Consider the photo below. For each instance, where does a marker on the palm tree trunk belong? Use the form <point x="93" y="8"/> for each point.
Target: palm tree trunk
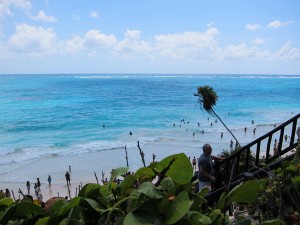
<point x="238" y="144"/>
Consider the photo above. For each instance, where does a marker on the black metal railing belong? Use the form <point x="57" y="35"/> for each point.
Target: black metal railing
<point x="257" y="154"/>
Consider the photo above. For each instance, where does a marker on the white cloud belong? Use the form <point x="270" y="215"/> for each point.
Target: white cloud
<point x="188" y="44"/>
<point x="132" y="45"/>
<point x="276" y="24"/>
<point x="6" y="5"/>
<point x="94" y="14"/>
<point x="94" y="38"/>
<point x="32" y="40"/>
<point x="43" y="17"/>
<point x="258" y="41"/>
<point x="287" y="52"/>
<point x="252" y="27"/>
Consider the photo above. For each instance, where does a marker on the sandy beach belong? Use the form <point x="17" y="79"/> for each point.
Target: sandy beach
<point x="84" y="166"/>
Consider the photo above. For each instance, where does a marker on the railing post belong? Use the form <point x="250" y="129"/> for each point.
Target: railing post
<point x="218" y="175"/>
<point x="257" y="153"/>
<point x="268" y="148"/>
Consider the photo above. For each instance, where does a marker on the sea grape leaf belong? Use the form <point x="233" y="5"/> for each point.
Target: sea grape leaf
<point x="94" y="204"/>
<point x="89" y="190"/>
<point x="6" y="202"/>
<point x="296" y="181"/>
<point x="42" y="221"/>
<point x="118" y="172"/>
<point x="28" y="210"/>
<point x="8" y="214"/>
<point x="149" y="190"/>
<point x="168" y="185"/>
<point x="70" y="205"/>
<point x="178" y="208"/>
<point x="196" y="218"/>
<point x="141" y="217"/>
<point x="75" y="217"/>
<point x="181" y="170"/>
<point x="144" y="173"/>
<point x="246" y="192"/>
<point x="127" y="185"/>
<point x="221" y="202"/>
<point x="216" y="216"/>
<point x="273" y="222"/>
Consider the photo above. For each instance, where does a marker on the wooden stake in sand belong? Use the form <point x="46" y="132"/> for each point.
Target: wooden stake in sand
<point x="126" y="156"/>
<point x="141" y="153"/>
<point x="96" y="177"/>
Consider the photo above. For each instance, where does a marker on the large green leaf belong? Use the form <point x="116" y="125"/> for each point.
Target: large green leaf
<point x="178" y="208"/>
<point x="144" y="173"/>
<point x="42" y="221"/>
<point x="127" y="185"/>
<point x="89" y="190"/>
<point x="196" y="218"/>
<point x="115" y="173"/>
<point x="245" y="193"/>
<point x="70" y="205"/>
<point x="168" y="185"/>
<point x="296" y="181"/>
<point x="217" y="216"/>
<point x="181" y="170"/>
<point x="93" y="204"/>
<point x="6" y="202"/>
<point x="8" y="214"/>
<point x="149" y="190"/>
<point x="139" y="218"/>
<point x="75" y="217"/>
<point x="28" y="210"/>
<point x="273" y="222"/>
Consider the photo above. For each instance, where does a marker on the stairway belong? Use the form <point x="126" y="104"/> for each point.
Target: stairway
<point x="257" y="157"/>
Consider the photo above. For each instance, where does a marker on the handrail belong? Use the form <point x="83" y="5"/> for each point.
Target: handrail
<point x="245" y="154"/>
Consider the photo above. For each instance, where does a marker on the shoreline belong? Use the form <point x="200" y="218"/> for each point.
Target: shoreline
<point x="83" y="166"/>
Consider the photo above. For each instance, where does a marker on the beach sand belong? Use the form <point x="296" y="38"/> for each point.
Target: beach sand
<point x="84" y="166"/>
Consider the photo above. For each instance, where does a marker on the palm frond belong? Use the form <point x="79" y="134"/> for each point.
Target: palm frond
<point x="207" y="97"/>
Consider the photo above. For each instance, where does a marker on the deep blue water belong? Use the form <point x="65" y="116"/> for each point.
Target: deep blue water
<point x="43" y="115"/>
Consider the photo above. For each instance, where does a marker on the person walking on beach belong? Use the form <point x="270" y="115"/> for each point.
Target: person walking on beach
<point x="28" y="186"/>
<point x="49" y="180"/>
<point x="206" y="173"/>
<point x="7" y="193"/>
<point x="38" y="183"/>
<point x="67" y="175"/>
<point x="194" y="162"/>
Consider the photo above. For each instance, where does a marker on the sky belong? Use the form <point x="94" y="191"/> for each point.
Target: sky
<point x="150" y="36"/>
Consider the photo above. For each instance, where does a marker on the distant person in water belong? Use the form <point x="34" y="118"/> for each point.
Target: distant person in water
<point x="130" y="133"/>
<point x="49" y="180"/>
<point x="69" y="169"/>
<point x="254" y="130"/>
<point x="221" y="134"/>
<point x="231" y="144"/>
<point x="245" y="129"/>
<point x="68" y="179"/>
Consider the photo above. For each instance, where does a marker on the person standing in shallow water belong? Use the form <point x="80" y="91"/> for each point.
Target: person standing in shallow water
<point x="68" y="179"/>
<point x="206" y="173"/>
<point x="49" y="180"/>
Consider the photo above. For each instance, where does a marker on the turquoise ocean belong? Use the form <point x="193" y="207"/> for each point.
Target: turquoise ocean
<point x="45" y="116"/>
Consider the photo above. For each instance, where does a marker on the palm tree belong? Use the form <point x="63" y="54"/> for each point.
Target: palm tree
<point x="207" y="99"/>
